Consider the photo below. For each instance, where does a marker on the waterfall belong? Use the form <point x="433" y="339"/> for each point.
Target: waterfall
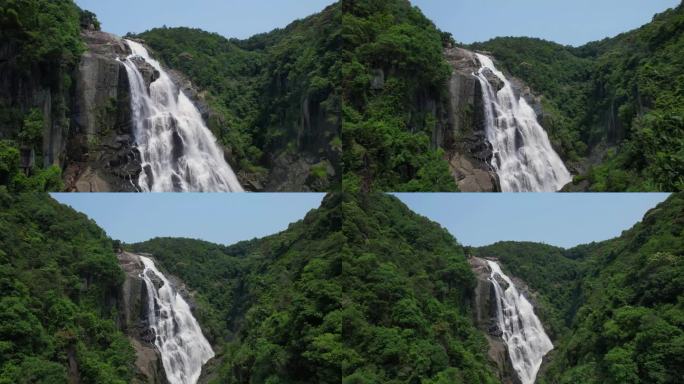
<point x="523" y="157"/>
<point x="523" y="333"/>
<point x="178" y="336"/>
<point x="179" y="153"/>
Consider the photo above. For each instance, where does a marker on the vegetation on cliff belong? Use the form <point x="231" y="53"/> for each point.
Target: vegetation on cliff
<point x="271" y="306"/>
<point x="58" y="280"/>
<point x="41" y="45"/>
<point x="622" y="92"/>
<point x="274" y="94"/>
<point x="407" y="292"/>
<point x="616" y="307"/>
<point x="394" y="78"/>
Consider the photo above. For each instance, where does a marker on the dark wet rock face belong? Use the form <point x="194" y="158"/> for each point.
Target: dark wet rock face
<point x="133" y="302"/>
<point x="486" y="320"/>
<point x="468" y="150"/>
<point x="100" y="154"/>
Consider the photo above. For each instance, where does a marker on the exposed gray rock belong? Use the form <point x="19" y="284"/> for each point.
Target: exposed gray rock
<point x="100" y="152"/>
<point x="485" y="320"/>
<point x="378" y="79"/>
<point x="468" y="151"/>
<point x="493" y="79"/>
<point x="133" y="303"/>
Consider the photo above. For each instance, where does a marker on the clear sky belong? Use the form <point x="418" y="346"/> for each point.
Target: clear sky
<point x="571" y="22"/>
<point x="559" y="219"/>
<point x="223" y="218"/>
<point x="230" y="18"/>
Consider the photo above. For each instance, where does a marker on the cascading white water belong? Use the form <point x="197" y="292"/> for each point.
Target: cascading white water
<point x="523" y="333"/>
<point x="523" y="157"/>
<point x="178" y="336"/>
<point x="179" y="153"/>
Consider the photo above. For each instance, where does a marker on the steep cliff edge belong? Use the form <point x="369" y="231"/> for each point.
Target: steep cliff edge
<point x="485" y="320"/>
<point x="468" y="150"/>
<point x="465" y="140"/>
<point x="100" y="154"/>
<point x="132" y="305"/>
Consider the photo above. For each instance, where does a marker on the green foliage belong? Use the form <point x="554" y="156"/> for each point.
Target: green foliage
<point x="615" y="308"/>
<point x="32" y="130"/>
<point x="407" y="285"/>
<point x="622" y="92"/>
<point x="271" y="305"/>
<point x="387" y="128"/>
<point x="58" y="273"/>
<point x="258" y="88"/>
<point x="15" y="180"/>
<point x="45" y="31"/>
<point x="42" y="45"/>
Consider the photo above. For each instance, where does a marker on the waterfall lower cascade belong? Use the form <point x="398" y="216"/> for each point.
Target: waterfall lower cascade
<point x="523" y="333"/>
<point x="178" y="336"/>
<point x="179" y="153"/>
<point x="523" y="157"/>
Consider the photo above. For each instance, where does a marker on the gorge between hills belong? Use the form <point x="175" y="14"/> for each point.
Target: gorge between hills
<point x="360" y="290"/>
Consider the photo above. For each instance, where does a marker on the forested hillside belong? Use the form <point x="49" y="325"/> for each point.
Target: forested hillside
<point x="613" y="108"/>
<point x="40" y="46"/>
<point x="408" y="289"/>
<point x="271" y="307"/>
<point x="394" y="78"/>
<point x="274" y="98"/>
<point x="58" y="280"/>
<point x="615" y="307"/>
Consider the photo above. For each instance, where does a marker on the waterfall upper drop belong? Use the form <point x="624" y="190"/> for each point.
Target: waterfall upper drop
<point x="178" y="152"/>
<point x="178" y="336"/>
<point x="523" y="333"/>
<point x="523" y="157"/>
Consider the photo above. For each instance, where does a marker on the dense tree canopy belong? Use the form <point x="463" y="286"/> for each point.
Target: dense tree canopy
<point x="58" y="273"/>
<point x="387" y="127"/>
<point x="407" y="288"/>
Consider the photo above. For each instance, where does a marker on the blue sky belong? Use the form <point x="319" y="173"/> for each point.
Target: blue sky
<point x="230" y="18"/>
<point x="572" y="22"/>
<point x="559" y="219"/>
<point x="223" y="218"/>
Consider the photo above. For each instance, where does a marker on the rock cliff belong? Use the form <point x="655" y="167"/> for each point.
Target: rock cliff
<point x="485" y="319"/>
<point x="99" y="152"/>
<point x="469" y="153"/>
<point x="132" y="305"/>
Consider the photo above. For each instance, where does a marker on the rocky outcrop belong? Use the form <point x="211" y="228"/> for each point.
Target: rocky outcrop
<point x="100" y="152"/>
<point x="133" y="302"/>
<point x="485" y="319"/>
<point x="469" y="153"/>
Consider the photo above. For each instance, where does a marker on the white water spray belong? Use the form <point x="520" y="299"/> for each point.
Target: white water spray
<point x="523" y="157"/>
<point x="178" y="336"/>
<point x="179" y="153"/>
<point x="523" y="333"/>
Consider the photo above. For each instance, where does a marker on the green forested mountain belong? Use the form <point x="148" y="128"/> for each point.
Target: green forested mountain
<point x="615" y="307"/>
<point x="394" y="80"/>
<point x="406" y="304"/>
<point x="619" y="99"/>
<point x="40" y="47"/>
<point x="271" y="306"/>
<point x="58" y="280"/>
<point x="273" y="96"/>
